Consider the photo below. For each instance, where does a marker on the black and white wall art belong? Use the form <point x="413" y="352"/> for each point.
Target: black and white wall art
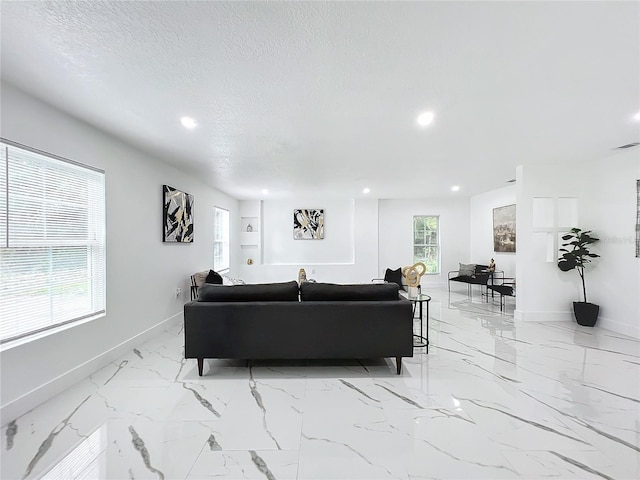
<point x="177" y="216"/>
<point x="308" y="224"/>
<point x="504" y="229"/>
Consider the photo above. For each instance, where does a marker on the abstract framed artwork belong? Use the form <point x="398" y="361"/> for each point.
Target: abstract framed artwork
<point x="177" y="216"/>
<point x="308" y="224"/>
<point x="504" y="229"/>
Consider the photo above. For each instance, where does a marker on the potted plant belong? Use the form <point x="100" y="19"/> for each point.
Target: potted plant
<point x="577" y="255"/>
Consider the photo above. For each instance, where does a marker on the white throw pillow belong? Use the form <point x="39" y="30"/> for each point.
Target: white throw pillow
<point x="227" y="280"/>
<point x="200" y="277"/>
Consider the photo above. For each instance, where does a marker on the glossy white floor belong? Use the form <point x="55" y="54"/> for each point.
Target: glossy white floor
<point x="492" y="399"/>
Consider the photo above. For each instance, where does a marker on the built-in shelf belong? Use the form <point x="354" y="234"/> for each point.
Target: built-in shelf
<point x="249" y="224"/>
<point x="249" y="231"/>
<point x="249" y="238"/>
<point x="250" y="249"/>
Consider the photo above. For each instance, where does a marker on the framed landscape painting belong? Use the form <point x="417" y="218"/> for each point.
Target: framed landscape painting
<point x="504" y="229"/>
<point x="177" y="216"/>
<point x="308" y="224"/>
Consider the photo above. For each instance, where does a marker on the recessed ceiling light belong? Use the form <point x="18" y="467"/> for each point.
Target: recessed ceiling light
<point x="455" y="188"/>
<point x="265" y="191"/>
<point x="425" y="119"/>
<point x="188" y="122"/>
<point x="636" y="117"/>
<point x="366" y="190"/>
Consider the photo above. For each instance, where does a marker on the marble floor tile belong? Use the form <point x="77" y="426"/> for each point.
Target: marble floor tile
<point x="250" y="465"/>
<point x="493" y="398"/>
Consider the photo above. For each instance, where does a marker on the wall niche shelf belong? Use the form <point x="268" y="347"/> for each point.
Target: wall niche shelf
<point x="249" y="231"/>
<point x="249" y="224"/>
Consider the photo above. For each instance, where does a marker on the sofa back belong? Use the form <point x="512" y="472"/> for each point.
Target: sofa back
<point x="259" y="292"/>
<point x="359" y="292"/>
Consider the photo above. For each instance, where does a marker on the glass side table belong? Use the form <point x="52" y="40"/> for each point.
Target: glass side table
<point x="422" y="340"/>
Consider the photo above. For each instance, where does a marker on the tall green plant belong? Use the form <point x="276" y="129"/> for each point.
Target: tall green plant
<point x="576" y="253"/>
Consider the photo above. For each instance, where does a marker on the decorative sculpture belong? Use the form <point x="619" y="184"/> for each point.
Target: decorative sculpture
<point x="302" y="276"/>
<point x="492" y="266"/>
<point x="414" y="273"/>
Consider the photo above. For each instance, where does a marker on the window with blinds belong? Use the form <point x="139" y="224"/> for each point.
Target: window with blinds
<point x="52" y="241"/>
<point x="426" y="242"/>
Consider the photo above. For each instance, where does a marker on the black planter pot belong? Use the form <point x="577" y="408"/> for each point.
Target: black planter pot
<point x="586" y="313"/>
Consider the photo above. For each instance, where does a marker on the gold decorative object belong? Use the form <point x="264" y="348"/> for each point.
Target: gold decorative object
<point x="414" y="273"/>
<point x="249" y="261"/>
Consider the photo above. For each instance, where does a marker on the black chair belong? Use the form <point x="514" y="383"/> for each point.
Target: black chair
<point x="505" y="289"/>
<point x="200" y="278"/>
<point x="477" y="275"/>
<point x="392" y="276"/>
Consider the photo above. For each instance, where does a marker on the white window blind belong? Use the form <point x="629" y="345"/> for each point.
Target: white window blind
<point x="220" y="239"/>
<point x="426" y="242"/>
<point x="52" y="242"/>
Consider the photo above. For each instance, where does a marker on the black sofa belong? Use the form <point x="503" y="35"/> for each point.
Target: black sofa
<point x="282" y="321"/>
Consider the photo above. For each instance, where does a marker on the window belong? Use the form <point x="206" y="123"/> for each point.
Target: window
<point x="220" y="239"/>
<point x="426" y="242"/>
<point x="52" y="242"/>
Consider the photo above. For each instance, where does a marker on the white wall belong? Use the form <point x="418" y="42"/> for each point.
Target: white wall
<point x="545" y="293"/>
<point x="280" y="248"/>
<point x="482" y="229"/>
<point x="142" y="272"/>
<point x="396" y="234"/>
<point x="609" y="208"/>
<point x="606" y="198"/>
<point x="347" y="254"/>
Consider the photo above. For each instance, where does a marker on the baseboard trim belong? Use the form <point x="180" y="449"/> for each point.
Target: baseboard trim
<point x="44" y="392"/>
<point x="542" y="316"/>
<point x="619" y="327"/>
<point x="604" y="323"/>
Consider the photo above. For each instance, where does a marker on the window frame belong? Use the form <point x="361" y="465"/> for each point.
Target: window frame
<point x="19" y="248"/>
<point x="428" y="245"/>
<point x="224" y="241"/>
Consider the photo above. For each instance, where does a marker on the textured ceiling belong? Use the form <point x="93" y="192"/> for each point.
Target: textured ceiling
<point x="321" y="98"/>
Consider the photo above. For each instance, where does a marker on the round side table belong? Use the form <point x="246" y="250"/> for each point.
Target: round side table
<point x="421" y="341"/>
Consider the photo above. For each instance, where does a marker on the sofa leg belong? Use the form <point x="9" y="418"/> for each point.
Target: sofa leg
<point x="200" y="365"/>
<point x="398" y="365"/>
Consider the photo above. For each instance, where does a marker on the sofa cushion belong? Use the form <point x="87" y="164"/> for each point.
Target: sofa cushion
<point x="200" y="278"/>
<point x="259" y="292"/>
<point x="467" y="269"/>
<point x="213" y="278"/>
<point x="394" y="276"/>
<point x="358" y="292"/>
